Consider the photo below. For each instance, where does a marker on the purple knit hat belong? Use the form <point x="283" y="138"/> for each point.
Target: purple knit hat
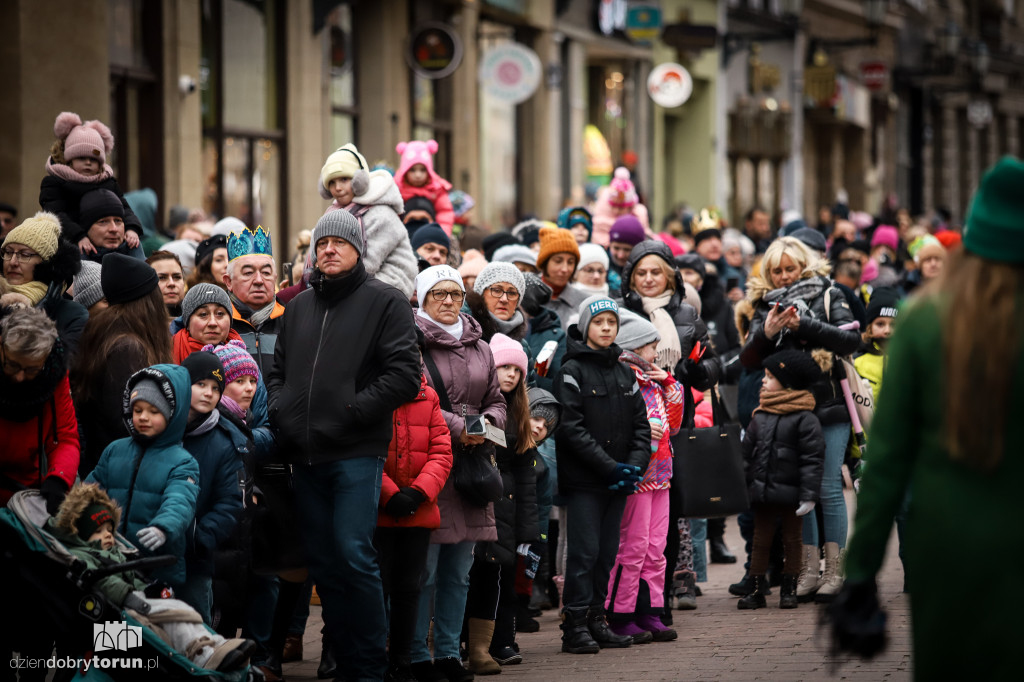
<point x="236" y="360"/>
<point x="627" y="229"/>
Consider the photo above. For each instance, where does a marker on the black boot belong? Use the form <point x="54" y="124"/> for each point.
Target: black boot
<point x="328" y="668"/>
<point x="576" y="638"/>
<point x="720" y="553"/>
<point x="788" y="598"/>
<point x="525" y="622"/>
<point x="755" y="600"/>
<point x="685" y="590"/>
<point x="597" y="623"/>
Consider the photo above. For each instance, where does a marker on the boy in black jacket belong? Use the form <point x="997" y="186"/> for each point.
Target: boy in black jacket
<point x="784" y="451"/>
<point x="604" y="444"/>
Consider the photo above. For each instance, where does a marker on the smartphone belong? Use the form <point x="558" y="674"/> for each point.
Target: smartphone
<point x="475" y="425"/>
<point x="731" y="283"/>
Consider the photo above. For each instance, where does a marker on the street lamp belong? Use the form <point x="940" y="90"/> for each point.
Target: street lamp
<point x="949" y="39"/>
<point x="874" y="12"/>
<point x="980" y="58"/>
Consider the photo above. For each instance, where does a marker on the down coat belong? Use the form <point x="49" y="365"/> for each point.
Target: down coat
<point x="784" y="456"/>
<point x="467" y="370"/>
<point x="156" y="481"/>
<point x="419" y="456"/>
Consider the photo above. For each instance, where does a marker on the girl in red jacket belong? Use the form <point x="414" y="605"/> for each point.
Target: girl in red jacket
<point x="419" y="459"/>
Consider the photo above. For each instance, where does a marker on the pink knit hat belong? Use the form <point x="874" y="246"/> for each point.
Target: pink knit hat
<point x="508" y="351"/>
<point x="236" y="360"/>
<point x="886" y="235"/>
<point x="91" y="139"/>
<point x="623" y="191"/>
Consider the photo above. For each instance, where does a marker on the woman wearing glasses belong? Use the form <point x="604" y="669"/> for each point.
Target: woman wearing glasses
<point x="456" y="355"/>
<point x="494" y="303"/>
<point x="38" y="265"/>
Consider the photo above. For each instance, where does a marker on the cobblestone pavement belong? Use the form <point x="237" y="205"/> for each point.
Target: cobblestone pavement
<point x="716" y="642"/>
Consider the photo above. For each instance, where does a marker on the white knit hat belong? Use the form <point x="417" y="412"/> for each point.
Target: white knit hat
<point x="592" y="253"/>
<point x="426" y="280"/>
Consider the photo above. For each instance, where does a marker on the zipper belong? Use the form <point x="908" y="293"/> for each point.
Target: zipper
<point x="309" y="393"/>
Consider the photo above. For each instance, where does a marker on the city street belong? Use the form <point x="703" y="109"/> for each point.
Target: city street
<point x="716" y="642"/>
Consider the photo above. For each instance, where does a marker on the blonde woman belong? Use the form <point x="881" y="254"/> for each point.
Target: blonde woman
<point x="789" y="301"/>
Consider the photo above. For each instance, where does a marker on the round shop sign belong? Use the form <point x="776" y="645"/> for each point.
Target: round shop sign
<point x="669" y="85"/>
<point x="435" y="50"/>
<point x="510" y="72"/>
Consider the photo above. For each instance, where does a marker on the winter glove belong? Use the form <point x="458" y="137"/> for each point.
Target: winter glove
<point x="804" y="508"/>
<point x="53" y="491"/>
<point x="151" y="538"/>
<point x="625" y="478"/>
<point x="531" y="558"/>
<point x="858" y="622"/>
<point x="404" y="503"/>
<point x="137" y="604"/>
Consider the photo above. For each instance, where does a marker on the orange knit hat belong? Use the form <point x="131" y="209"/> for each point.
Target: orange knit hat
<point x="555" y="240"/>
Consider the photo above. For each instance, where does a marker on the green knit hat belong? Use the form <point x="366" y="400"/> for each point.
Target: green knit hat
<point x="995" y="222"/>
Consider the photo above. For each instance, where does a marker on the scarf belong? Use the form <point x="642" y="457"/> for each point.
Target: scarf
<point x="66" y="172"/>
<point x="508" y="327"/>
<point x="786" y="401"/>
<point x="800" y="294"/>
<point x="669" y="350"/>
<point x="631" y="358"/>
<point x="185" y="345"/>
<point x="453" y="329"/>
<point x="233" y="407"/>
<point x="20" y="402"/>
<point x="589" y="290"/>
<point x="33" y="291"/>
<point x="204" y="424"/>
<point x="256" y="317"/>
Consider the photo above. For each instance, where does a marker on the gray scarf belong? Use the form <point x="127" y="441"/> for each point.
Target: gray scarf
<point x="507" y="327"/>
<point x="256" y="317"/>
<point x="206" y="425"/>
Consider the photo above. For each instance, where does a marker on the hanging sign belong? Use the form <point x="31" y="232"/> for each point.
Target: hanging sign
<point x="434" y="51"/>
<point x="874" y="75"/>
<point x="669" y="85"/>
<point x="510" y="72"/>
<point x="643" y="23"/>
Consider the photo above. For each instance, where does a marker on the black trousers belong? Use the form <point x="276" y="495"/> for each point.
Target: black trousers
<point x="592" y="539"/>
<point x="403" y="561"/>
<point x="492" y="596"/>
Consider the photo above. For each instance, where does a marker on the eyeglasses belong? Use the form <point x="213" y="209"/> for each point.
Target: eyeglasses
<point x="440" y="295"/>
<point x="13" y="368"/>
<point x="22" y="256"/>
<point x="594" y="271"/>
<point x="498" y="292"/>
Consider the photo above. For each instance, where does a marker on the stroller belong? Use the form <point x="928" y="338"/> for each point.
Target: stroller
<point x="95" y="639"/>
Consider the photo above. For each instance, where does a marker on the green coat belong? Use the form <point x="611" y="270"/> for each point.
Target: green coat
<point x="115" y="587"/>
<point x="964" y="542"/>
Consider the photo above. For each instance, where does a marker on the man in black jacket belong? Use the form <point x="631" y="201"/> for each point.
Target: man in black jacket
<point x="345" y="358"/>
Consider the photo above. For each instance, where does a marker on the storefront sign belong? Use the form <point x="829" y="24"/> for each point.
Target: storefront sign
<point x="669" y="85"/>
<point x="510" y="72"/>
<point x="643" y="23"/>
<point x="874" y="75"/>
<point x="435" y="50"/>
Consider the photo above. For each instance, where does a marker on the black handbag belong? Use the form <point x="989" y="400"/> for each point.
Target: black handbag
<point x="276" y="537"/>
<point x="708" y="476"/>
<point x="474" y="471"/>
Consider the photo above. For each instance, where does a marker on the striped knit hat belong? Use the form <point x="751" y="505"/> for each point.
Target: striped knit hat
<point x="236" y="360"/>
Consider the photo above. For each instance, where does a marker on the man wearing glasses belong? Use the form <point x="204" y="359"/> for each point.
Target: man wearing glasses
<point x="345" y="359"/>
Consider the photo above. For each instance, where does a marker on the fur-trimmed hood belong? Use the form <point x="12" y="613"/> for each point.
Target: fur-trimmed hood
<point x="79" y="498"/>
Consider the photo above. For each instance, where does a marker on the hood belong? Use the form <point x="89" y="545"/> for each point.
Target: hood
<point x="81" y="496"/>
<point x="439" y="338"/>
<point x="143" y="203"/>
<point x="419" y="151"/>
<point x="575" y="347"/>
<point x="176" y="386"/>
<point x="381" y="191"/>
<point x="648" y="247"/>
<point x="538" y="396"/>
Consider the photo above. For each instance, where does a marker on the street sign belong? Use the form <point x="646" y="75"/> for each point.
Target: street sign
<point x="874" y="75"/>
<point x="434" y="51"/>
<point x="643" y="23"/>
<point x="687" y="37"/>
<point x="669" y="85"/>
<point x="510" y="72"/>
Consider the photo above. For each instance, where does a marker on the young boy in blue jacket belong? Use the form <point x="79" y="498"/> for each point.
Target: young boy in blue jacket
<point x="149" y="474"/>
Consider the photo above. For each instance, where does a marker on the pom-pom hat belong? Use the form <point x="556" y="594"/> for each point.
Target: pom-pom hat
<point x="90" y="139"/>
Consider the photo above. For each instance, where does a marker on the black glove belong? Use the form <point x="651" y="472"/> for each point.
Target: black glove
<point x="53" y="491"/>
<point x="858" y="622"/>
<point x="405" y="502"/>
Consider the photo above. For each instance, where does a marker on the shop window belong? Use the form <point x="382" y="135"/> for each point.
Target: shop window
<point x="344" y="109"/>
<point x="242" y="103"/>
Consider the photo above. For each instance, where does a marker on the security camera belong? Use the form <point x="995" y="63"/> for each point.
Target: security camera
<point x="187" y="85"/>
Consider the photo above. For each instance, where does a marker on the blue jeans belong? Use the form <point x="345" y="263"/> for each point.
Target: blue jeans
<point x="337" y="503"/>
<point x="833" y="504"/>
<point x="699" y="535"/>
<point x="444" y="595"/>
<point x="298" y="624"/>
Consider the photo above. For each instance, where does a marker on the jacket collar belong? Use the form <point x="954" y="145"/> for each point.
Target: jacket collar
<point x="334" y="289"/>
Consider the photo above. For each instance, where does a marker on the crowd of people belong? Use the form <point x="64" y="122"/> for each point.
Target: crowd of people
<point x="441" y="433"/>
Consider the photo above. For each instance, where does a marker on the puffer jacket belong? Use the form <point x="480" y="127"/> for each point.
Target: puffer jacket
<point x="419" y="456"/>
<point x="818" y="329"/>
<point x="702" y="374"/>
<point x="156" y="481"/>
<point x="784" y="456"/>
<point x="604" y="418"/>
<point x="220" y="449"/>
<point x="467" y="370"/>
<point x="63" y="197"/>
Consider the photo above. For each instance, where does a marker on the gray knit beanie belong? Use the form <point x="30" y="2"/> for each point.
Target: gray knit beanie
<point x="148" y="390"/>
<point x="499" y="272"/>
<point x="634" y="331"/>
<point x="342" y="224"/>
<point x="200" y="295"/>
<point x="595" y="305"/>
<point x="88" y="290"/>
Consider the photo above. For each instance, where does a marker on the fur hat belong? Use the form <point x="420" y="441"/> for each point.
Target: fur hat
<point x="623" y="192"/>
<point x="556" y="240"/>
<point x="91" y="139"/>
<point x="592" y="306"/>
<point x="492" y="273"/>
<point x="507" y="351"/>
<point x="341" y="224"/>
<point x="345" y="162"/>
<point x="793" y="368"/>
<point x="235" y="359"/>
<point x="201" y="294"/>
<point x="81" y="497"/>
<point x="125" y="279"/>
<point x="41" y="233"/>
<point x="634" y="331"/>
<point x="88" y="290"/>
